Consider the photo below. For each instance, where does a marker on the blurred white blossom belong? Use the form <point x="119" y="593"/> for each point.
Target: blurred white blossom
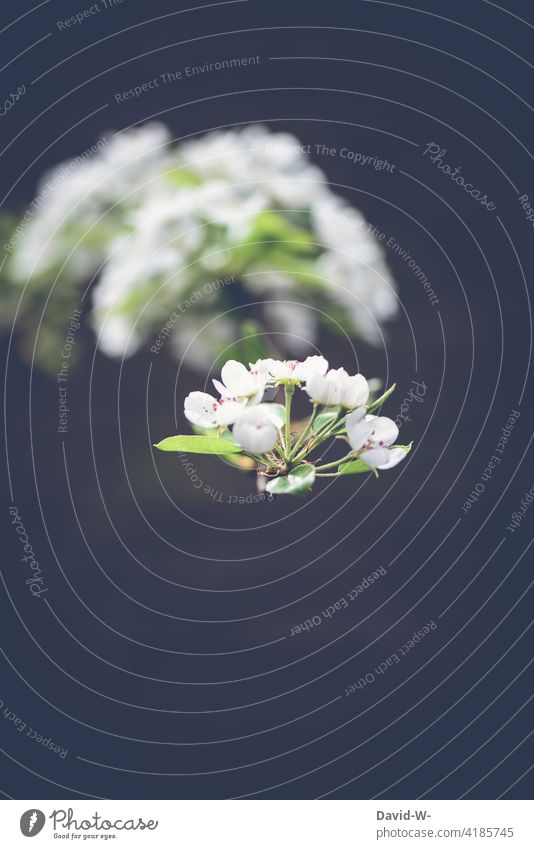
<point x="154" y="221"/>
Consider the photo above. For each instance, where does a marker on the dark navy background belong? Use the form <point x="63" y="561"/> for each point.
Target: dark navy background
<point x="160" y="656"/>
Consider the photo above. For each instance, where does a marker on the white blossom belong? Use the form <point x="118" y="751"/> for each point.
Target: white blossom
<point x="156" y="221"/>
<point x="366" y="291"/>
<point x="312" y="366"/>
<point x="205" y="411"/>
<point x="117" y="337"/>
<point x="337" y="387"/>
<point x="255" y="431"/>
<point x="240" y="383"/>
<point x="72" y="196"/>
<point x="289" y="371"/>
<point x="395" y="456"/>
<point x="288" y="455"/>
<point x="354" y="391"/>
<point x="325" y="389"/>
<point x="371" y="437"/>
<point x="201" y="409"/>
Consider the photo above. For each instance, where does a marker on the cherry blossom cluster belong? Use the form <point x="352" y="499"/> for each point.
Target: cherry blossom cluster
<point x="241" y="421"/>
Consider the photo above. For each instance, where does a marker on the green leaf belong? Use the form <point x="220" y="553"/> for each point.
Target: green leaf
<point x="227" y="435"/>
<point x="183" y="177"/>
<point x="272" y="226"/>
<point x="297" y="482"/>
<point x="354" y="467"/>
<point x="405" y="448"/>
<point x="213" y="433"/>
<point x="382" y="398"/>
<point x="323" y="419"/>
<point x="199" y="445"/>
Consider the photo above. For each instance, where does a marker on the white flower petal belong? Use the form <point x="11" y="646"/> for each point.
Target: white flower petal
<point x="355" y="417"/>
<point x="396" y="455"/>
<point x="201" y="409"/>
<point x="325" y="389"/>
<point x="283" y="369"/>
<point x="358" y="434"/>
<point x="257" y="398"/>
<point x="355" y="391"/>
<point x="275" y="412"/>
<point x="375" y="457"/>
<point x="221" y="388"/>
<point x="265" y="368"/>
<point x="228" y="411"/>
<point x="254" y="431"/>
<point x="237" y="378"/>
<point x="311" y="366"/>
<point x="385" y="431"/>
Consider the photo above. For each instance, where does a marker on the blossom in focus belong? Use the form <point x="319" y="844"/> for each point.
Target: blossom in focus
<point x="240" y="383"/>
<point x="337" y="387"/>
<point x="205" y="411"/>
<point x="289" y="370"/>
<point x="354" y="391"/>
<point x="371" y="437"/>
<point x="255" y="431"/>
<point x="286" y="454"/>
<point x="201" y="409"/>
<point x="311" y="366"/>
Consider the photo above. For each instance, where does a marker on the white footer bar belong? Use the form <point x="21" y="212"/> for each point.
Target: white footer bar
<point x="269" y="824"/>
